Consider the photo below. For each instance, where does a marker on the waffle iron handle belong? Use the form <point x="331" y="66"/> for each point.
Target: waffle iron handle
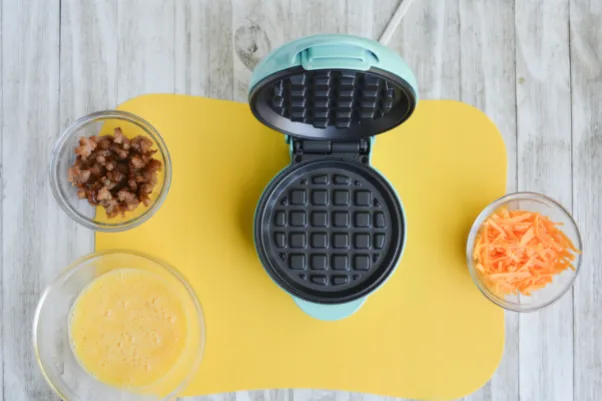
<point x="331" y="311"/>
<point x="338" y="55"/>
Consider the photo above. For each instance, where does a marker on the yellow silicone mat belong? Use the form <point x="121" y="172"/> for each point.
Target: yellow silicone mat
<point x="427" y="333"/>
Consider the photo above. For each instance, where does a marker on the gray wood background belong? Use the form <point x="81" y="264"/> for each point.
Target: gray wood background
<point x="534" y="66"/>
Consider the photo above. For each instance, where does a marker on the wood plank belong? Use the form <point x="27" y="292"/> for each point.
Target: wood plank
<point x="89" y="63"/>
<point x="359" y="17"/>
<point x="383" y="11"/>
<point x="88" y="82"/>
<point x="213" y="397"/>
<point x="192" y="47"/>
<point x="324" y="395"/>
<point x="488" y="83"/>
<point x="428" y="38"/>
<point x="30" y="123"/>
<point x="203" y="48"/>
<point x="315" y="16"/>
<point x="262" y="395"/>
<point x="146" y="47"/>
<point x="253" y="25"/>
<point x="586" y="90"/>
<point x="544" y="165"/>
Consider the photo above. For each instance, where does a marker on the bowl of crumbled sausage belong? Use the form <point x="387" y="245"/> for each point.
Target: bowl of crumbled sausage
<point x="110" y="171"/>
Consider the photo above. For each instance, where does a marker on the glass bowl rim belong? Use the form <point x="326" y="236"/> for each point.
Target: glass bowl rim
<point x="61" y="197"/>
<point x="490" y="208"/>
<point x="79" y="263"/>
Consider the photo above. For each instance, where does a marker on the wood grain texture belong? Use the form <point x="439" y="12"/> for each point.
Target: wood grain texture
<point x="253" y="24"/>
<point x="146" y="47"/>
<point x="428" y="38"/>
<point x="544" y="165"/>
<point x="586" y="96"/>
<point x="204" y="67"/>
<point x="220" y="50"/>
<point x="534" y="67"/>
<point x="30" y="124"/>
<point x="88" y="82"/>
<point x="488" y="82"/>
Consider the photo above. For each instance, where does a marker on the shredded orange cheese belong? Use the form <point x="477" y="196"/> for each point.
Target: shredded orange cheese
<point x="521" y="251"/>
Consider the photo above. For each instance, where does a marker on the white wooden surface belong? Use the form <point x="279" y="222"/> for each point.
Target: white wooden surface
<point x="535" y="67"/>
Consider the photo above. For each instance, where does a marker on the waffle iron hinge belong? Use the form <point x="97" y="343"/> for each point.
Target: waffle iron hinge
<point x="309" y="149"/>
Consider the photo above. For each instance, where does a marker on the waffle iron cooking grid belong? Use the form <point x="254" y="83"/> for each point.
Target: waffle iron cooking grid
<point x="330" y="230"/>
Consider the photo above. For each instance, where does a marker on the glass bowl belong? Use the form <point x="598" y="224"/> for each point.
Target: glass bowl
<point x="561" y="283"/>
<point x="52" y="343"/>
<point x="63" y="157"/>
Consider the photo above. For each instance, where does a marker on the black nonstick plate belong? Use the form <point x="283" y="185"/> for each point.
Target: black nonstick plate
<point x="328" y="230"/>
<point x="332" y="104"/>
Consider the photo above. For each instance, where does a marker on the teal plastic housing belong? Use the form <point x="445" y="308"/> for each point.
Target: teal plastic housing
<point x="327" y="52"/>
<point x="333" y="51"/>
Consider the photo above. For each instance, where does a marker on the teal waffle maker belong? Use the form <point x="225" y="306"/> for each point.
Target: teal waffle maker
<point x="329" y="229"/>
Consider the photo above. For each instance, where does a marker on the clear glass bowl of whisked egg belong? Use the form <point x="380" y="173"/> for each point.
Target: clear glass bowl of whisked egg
<point x="79" y="342"/>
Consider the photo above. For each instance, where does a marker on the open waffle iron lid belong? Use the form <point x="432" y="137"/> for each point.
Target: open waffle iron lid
<point x="329" y="229"/>
<point x="332" y="87"/>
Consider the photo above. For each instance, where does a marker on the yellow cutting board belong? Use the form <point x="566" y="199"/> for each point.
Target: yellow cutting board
<point x="427" y="333"/>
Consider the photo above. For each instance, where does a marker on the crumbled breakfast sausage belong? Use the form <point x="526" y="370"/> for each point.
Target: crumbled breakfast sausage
<point x="115" y="172"/>
<point x="85" y="148"/>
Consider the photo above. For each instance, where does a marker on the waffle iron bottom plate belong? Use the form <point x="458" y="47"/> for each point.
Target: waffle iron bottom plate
<point x="329" y="231"/>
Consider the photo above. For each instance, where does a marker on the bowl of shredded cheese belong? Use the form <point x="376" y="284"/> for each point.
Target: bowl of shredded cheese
<point x="524" y="251"/>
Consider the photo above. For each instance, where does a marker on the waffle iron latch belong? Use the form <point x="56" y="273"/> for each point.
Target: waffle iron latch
<point x="309" y="149"/>
<point x="338" y="54"/>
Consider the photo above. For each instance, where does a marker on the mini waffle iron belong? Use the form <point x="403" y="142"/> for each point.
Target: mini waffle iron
<point x="329" y="229"/>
